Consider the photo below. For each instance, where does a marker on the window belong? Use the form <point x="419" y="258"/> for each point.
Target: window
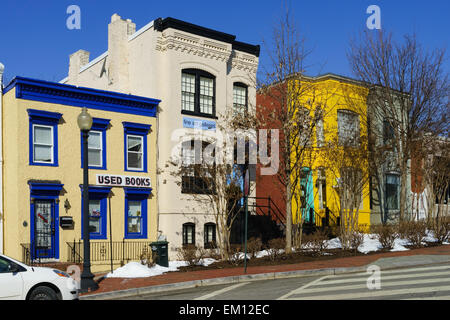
<point x="136" y="212"/>
<point x="348" y="127"/>
<point x="392" y="191"/>
<point x="96" y="144"/>
<point x="388" y="132"/>
<point x="43" y="149"/>
<point x="197" y="92"/>
<point x="97" y="208"/>
<point x="304" y="123"/>
<point x="136" y="146"/>
<point x="322" y="188"/>
<point x="240" y="97"/>
<point x="195" y="178"/>
<point x="319" y="133"/>
<point x="188" y="234"/>
<point x="134" y="152"/>
<point x="5" y="265"/>
<point x="210" y="235"/>
<point x="42" y="144"/>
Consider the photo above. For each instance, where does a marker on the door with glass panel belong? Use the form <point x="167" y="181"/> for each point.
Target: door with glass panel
<point x="44" y="241"/>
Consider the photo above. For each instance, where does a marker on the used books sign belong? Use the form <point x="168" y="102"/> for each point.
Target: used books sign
<point x="122" y="181"/>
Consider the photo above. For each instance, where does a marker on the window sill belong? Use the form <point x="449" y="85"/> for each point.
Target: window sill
<point x="43" y="164"/>
<point x="135" y="236"/>
<point x="198" y="114"/>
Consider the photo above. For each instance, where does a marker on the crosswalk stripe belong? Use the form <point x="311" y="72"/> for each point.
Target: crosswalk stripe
<point x="397" y="271"/>
<point x="430" y="298"/>
<point x="302" y="288"/>
<point x="383" y="285"/>
<point x="217" y="292"/>
<point x="383" y="277"/>
<point x="371" y="294"/>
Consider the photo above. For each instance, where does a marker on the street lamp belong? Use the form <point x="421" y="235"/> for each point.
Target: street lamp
<point x="87" y="278"/>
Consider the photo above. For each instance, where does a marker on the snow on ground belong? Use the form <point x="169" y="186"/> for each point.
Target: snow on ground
<point x="138" y="270"/>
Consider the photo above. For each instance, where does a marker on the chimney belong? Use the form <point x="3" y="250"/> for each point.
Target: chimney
<point x="76" y="61"/>
<point x="118" y="32"/>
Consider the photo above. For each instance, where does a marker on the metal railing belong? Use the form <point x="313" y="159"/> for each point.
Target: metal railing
<point x="106" y="251"/>
<point x="268" y="208"/>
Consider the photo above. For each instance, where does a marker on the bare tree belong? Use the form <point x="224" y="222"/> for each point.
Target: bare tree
<point x="346" y="160"/>
<point x="290" y="108"/>
<point x="210" y="166"/>
<point x="409" y="93"/>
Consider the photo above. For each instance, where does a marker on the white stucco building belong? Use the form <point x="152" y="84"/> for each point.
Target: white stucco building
<point x="197" y="73"/>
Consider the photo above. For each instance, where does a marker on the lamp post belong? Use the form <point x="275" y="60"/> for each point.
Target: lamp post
<point x="87" y="278"/>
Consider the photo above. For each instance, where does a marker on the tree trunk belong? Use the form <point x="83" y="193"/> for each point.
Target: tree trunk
<point x="288" y="215"/>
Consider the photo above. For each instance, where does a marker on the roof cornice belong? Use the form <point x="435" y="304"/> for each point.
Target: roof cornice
<point x="163" y="24"/>
<point x="52" y="92"/>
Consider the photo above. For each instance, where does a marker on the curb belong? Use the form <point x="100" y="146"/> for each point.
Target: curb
<point x="241" y="278"/>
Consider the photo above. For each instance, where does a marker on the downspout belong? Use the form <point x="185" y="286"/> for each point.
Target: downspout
<point x="2" y="68"/>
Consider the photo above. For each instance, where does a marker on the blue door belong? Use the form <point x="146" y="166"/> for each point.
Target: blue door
<point x="307" y="195"/>
<point x="43" y="242"/>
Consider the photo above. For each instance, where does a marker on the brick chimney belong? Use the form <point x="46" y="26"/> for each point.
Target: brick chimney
<point x="118" y="55"/>
<point x="76" y="61"/>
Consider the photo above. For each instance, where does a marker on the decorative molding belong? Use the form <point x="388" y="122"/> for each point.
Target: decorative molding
<point x="52" y="92"/>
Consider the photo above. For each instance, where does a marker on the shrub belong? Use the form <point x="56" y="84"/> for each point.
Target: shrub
<point x="356" y="239"/>
<point x="413" y="231"/>
<point x="316" y="241"/>
<point x="386" y="235"/>
<point x="275" y="248"/>
<point x="191" y="254"/>
<point x="147" y="257"/>
<point x="254" y="245"/>
<point x="441" y="229"/>
<point x="235" y="256"/>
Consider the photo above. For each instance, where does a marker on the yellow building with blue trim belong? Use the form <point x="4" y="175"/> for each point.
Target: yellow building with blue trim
<point x="338" y="140"/>
<point x="42" y="172"/>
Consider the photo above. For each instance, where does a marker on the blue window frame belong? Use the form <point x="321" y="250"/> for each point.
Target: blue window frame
<point x="136" y="212"/>
<point x="135" y="146"/>
<point x="43" y="137"/>
<point x="97" y="211"/>
<point x="96" y="144"/>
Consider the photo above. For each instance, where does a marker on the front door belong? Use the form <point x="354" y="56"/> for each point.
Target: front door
<point x="306" y="195"/>
<point x="44" y="240"/>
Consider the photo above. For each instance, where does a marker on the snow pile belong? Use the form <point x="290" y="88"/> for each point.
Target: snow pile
<point x="138" y="270"/>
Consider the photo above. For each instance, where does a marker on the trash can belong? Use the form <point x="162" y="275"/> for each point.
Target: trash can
<point x="160" y="249"/>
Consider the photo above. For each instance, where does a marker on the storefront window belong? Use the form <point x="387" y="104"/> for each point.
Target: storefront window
<point x="134" y="217"/>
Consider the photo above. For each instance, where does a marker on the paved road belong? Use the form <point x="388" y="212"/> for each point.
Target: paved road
<point x="432" y="282"/>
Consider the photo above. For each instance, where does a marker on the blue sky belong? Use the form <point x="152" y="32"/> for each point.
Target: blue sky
<point x="36" y="43"/>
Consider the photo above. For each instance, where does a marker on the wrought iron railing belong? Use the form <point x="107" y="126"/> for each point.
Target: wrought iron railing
<point x="106" y="251"/>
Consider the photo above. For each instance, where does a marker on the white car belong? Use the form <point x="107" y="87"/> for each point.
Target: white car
<point x="21" y="282"/>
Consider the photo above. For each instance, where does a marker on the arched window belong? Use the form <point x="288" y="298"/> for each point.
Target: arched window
<point x="198" y="92"/>
<point x="209" y="235"/>
<point x="188" y="233"/>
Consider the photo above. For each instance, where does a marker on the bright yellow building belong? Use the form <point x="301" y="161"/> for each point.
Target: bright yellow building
<point x="43" y="174"/>
<point x="338" y="140"/>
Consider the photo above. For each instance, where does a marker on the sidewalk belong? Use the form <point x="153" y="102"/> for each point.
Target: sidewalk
<point x="112" y="288"/>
